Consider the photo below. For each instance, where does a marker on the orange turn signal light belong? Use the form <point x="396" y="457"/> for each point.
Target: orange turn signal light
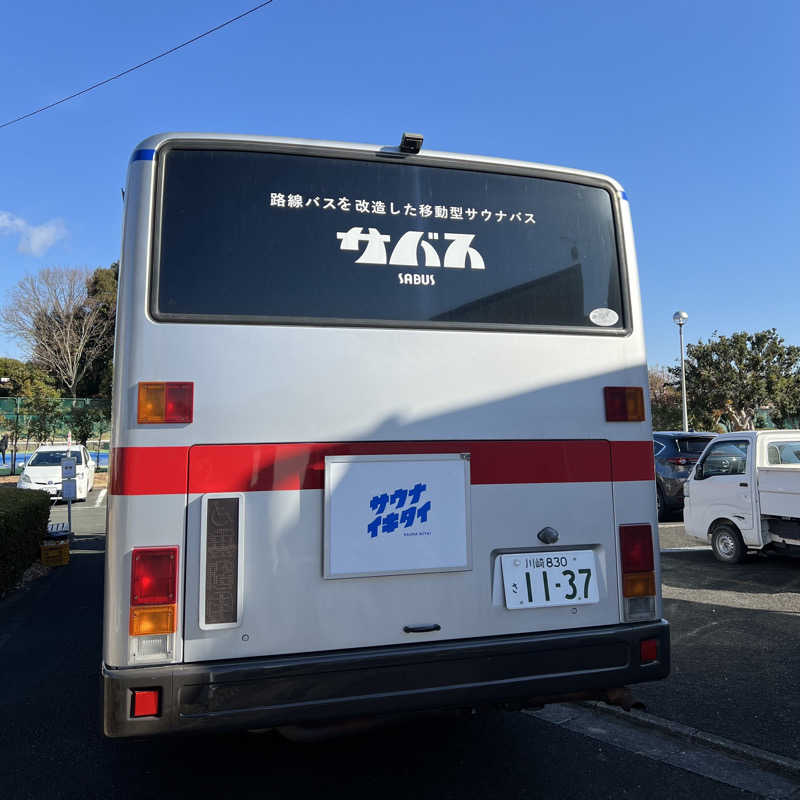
<point x="152" y="620"/>
<point x="639" y="584"/>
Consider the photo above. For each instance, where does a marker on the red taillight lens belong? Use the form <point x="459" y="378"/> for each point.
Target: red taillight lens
<point x="624" y="403"/>
<point x="154" y="576"/>
<point x="180" y="402"/>
<point x="679" y="462"/>
<point x="165" y="402"/>
<point x="636" y="545"/>
<point x="145" y="703"/>
<point x="648" y="650"/>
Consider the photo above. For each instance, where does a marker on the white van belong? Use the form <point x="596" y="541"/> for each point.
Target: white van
<point x="381" y="437"/>
<point x="744" y="494"/>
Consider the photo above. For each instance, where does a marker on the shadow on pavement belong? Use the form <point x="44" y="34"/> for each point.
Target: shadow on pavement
<point x="757" y="574"/>
<point x="51" y="745"/>
<point x="734" y="668"/>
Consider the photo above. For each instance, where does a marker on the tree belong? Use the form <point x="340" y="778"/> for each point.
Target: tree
<point x="62" y="327"/>
<point x="44" y="416"/>
<point x="22" y="378"/>
<point x="665" y="400"/>
<point x="22" y="382"/>
<point x="83" y="420"/>
<point x="732" y="377"/>
<point x="102" y="288"/>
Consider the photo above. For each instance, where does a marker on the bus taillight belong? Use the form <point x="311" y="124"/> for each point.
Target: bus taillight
<point x="638" y="572"/>
<point x="154" y="580"/>
<point x="154" y="575"/>
<point x="624" y="403"/>
<point x="165" y="402"/>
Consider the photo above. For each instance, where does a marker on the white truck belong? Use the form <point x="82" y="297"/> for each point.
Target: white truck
<point x="744" y="494"/>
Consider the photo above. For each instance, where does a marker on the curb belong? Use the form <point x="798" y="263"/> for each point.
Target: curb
<point x="765" y="759"/>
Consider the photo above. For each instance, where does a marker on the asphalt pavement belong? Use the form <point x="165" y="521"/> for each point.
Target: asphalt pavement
<point x="735" y="644"/>
<point x="735" y="671"/>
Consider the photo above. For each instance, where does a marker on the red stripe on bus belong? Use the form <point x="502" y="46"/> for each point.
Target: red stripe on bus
<point x="274" y="467"/>
<point x="632" y="461"/>
<point x="148" y="470"/>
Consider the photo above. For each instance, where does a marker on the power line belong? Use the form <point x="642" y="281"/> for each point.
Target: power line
<point x="138" y="66"/>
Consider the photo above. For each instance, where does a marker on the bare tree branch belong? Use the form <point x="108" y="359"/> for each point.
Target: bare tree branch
<point x="58" y="324"/>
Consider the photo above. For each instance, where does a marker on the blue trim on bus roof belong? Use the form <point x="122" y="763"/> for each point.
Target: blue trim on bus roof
<point x="143" y="155"/>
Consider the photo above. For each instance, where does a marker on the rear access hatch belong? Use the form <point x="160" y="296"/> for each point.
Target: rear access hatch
<point x="301" y="548"/>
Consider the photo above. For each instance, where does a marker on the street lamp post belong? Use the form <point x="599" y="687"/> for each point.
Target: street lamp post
<point x="679" y="318"/>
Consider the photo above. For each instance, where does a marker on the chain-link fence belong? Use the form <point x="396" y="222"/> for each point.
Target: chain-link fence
<point x="20" y="414"/>
<point x="12" y="408"/>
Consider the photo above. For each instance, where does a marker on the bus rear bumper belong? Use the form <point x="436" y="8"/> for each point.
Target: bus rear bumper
<point x="325" y="687"/>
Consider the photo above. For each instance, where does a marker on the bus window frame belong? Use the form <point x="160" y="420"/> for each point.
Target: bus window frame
<point x="470" y="163"/>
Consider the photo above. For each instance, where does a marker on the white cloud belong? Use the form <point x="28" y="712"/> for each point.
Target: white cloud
<point x="34" y="240"/>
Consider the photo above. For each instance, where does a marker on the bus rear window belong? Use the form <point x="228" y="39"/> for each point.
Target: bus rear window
<point x="266" y="237"/>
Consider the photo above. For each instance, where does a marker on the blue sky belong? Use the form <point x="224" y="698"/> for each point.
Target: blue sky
<point x="691" y="106"/>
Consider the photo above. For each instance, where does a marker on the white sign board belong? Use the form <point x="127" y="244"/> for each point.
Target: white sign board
<point x="67" y="468"/>
<point x="389" y="515"/>
<point x="68" y="489"/>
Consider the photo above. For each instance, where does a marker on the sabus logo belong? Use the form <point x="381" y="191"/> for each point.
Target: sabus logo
<point x="410" y="247"/>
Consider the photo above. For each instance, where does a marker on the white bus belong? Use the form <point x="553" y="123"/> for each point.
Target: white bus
<point x="382" y="439"/>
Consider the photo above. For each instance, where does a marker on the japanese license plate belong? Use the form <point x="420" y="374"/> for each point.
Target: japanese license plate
<point x="564" y="578"/>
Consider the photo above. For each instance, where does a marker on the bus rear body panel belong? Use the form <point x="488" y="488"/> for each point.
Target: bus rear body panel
<point x="320" y="592"/>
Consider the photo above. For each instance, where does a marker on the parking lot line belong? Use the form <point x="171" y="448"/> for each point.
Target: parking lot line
<point x="675" y="638"/>
<point x="100" y="497"/>
<point x="688" y="549"/>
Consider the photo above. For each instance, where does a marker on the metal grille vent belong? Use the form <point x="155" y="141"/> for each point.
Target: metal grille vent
<point x="222" y="560"/>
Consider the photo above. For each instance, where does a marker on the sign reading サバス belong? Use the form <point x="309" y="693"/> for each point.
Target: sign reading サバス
<point x="407" y="249"/>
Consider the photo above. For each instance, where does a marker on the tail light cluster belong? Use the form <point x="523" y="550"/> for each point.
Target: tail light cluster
<point x="638" y="572"/>
<point x="165" y="402"/>
<point x="154" y="602"/>
<point x="624" y="403"/>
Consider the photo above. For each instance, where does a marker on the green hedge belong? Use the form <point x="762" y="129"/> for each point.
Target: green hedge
<point x="23" y="524"/>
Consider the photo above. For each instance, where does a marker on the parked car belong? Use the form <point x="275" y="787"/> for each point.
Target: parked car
<point x="676" y="452"/>
<point x="744" y="494"/>
<point x="43" y="470"/>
